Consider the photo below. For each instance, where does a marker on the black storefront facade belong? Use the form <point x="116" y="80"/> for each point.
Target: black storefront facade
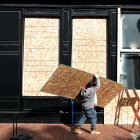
<point x="12" y="16"/>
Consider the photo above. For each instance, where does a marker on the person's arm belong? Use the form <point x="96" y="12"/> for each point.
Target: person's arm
<point x="92" y="89"/>
<point x="98" y="84"/>
<point x="95" y="88"/>
<point x="95" y="100"/>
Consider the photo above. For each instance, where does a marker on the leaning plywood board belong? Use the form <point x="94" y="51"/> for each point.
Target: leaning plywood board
<point x="67" y="82"/>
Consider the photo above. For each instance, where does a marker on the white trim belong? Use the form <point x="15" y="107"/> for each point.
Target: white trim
<point x="119" y="40"/>
<point x="130" y="50"/>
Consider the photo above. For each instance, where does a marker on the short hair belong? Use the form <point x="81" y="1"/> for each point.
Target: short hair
<point x="92" y="82"/>
<point x="94" y="79"/>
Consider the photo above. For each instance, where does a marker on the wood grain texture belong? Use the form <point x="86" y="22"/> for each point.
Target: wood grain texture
<point x="67" y="82"/>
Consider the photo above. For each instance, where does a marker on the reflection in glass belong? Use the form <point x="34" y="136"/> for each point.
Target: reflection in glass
<point x="129" y="74"/>
<point x="131" y="31"/>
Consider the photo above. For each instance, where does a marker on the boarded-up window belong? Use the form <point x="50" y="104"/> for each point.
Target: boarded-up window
<point x="40" y="53"/>
<point x="89" y="45"/>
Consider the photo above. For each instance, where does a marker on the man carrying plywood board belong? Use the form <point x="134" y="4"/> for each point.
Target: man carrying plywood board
<point x="67" y="82"/>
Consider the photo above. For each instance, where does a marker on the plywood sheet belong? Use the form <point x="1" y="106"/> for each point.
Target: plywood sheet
<point x="67" y="82"/>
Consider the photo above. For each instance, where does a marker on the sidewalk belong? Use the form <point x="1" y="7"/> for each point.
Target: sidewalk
<point x="64" y="132"/>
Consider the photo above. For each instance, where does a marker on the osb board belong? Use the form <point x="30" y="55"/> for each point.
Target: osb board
<point x="67" y="82"/>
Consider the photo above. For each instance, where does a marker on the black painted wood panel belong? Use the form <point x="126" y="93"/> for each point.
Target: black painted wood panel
<point x="89" y="12"/>
<point x="65" y="37"/>
<point x="10" y="58"/>
<point x="9" y="75"/>
<point x="34" y="12"/>
<point x="9" y="26"/>
<point x="112" y="45"/>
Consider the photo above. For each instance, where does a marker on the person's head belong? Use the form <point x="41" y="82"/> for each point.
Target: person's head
<point x="92" y="82"/>
<point x="94" y="79"/>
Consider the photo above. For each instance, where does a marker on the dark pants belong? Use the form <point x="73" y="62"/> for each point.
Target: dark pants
<point x="88" y="114"/>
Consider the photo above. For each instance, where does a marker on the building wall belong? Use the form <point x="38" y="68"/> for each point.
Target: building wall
<point x="41" y="56"/>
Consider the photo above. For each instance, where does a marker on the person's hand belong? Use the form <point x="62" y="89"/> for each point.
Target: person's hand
<point x="97" y="75"/>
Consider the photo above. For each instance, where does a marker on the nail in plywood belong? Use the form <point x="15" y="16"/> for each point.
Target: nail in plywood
<point x="67" y="82"/>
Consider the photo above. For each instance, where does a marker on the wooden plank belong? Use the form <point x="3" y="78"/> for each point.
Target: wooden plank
<point x="67" y="82"/>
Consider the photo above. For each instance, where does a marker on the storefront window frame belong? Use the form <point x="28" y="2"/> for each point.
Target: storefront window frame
<point x="121" y="50"/>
